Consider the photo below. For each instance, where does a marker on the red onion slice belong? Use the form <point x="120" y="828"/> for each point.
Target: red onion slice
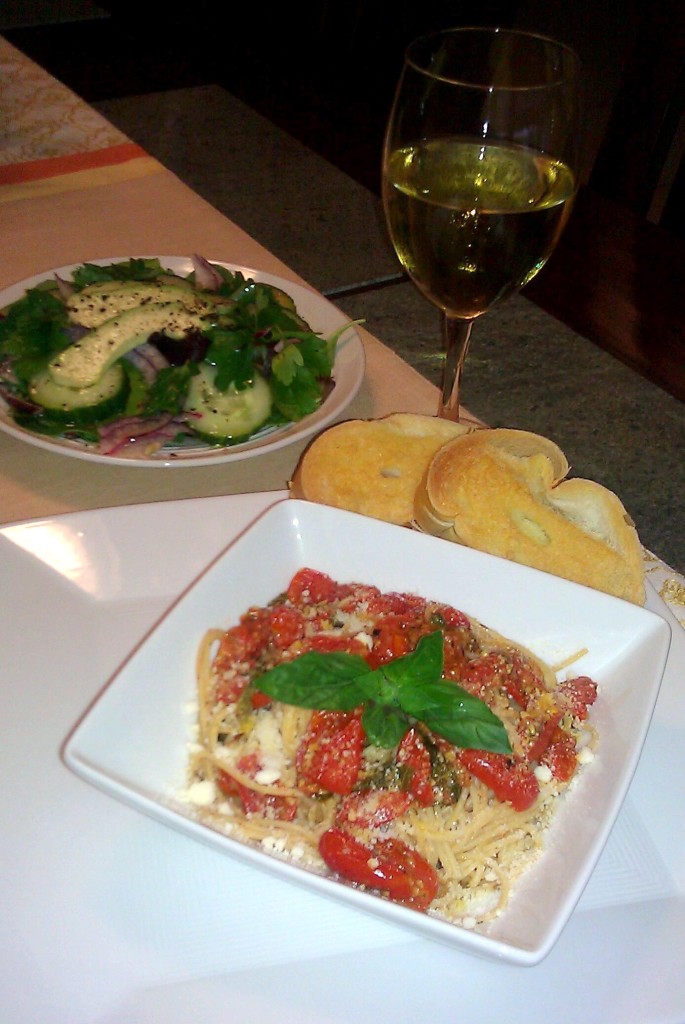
<point x="128" y="436"/>
<point x="206" y="276"/>
<point x="65" y="288"/>
<point x="148" y="359"/>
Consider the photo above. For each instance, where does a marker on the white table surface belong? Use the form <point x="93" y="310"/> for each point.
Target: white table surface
<point x="110" y="917"/>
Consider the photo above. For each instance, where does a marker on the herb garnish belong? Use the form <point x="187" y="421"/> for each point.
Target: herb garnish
<point x="392" y="696"/>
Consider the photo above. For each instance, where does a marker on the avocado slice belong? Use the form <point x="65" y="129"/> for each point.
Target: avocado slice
<point x="84" y="362"/>
<point x="97" y="303"/>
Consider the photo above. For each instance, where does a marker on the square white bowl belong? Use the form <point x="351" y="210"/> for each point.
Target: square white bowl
<point x="132" y="742"/>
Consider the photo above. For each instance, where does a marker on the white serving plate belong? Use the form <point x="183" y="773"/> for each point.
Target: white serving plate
<point x="132" y="741"/>
<point x="323" y="318"/>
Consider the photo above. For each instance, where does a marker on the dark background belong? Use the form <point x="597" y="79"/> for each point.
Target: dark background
<point x="325" y="71"/>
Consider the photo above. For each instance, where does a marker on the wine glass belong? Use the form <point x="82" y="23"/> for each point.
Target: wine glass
<point x="480" y="168"/>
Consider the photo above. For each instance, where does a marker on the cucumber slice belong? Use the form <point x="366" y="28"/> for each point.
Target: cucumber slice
<point x="226" y="417"/>
<point x="80" y="406"/>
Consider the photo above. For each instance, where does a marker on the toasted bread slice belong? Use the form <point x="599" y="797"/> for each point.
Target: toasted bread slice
<point x="372" y="466"/>
<point x="503" y="491"/>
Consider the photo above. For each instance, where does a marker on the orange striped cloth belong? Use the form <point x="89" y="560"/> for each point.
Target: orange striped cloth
<point x="75" y="171"/>
<point x="51" y="141"/>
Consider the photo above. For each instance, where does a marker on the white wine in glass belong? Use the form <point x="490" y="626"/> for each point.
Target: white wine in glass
<point x="480" y="168"/>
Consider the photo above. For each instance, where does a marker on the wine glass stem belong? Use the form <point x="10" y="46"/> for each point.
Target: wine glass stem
<point x="456" y="334"/>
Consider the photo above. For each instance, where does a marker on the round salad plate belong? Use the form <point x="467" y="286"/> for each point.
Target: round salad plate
<point x="322" y="316"/>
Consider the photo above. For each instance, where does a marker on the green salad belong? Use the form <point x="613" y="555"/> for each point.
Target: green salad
<point x="129" y="358"/>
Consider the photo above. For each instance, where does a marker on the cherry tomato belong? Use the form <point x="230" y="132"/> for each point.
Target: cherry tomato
<point x="391" y="640"/>
<point x="453" y="618"/>
<point x="259" y="699"/>
<point x="372" y="808"/>
<point x="326" y="643"/>
<point x="578" y="695"/>
<point x="238" y="649"/>
<point x="523" y="682"/>
<point x="488" y="670"/>
<point x="560" y="755"/>
<point x="403" y="605"/>
<point x="413" y="752"/>
<point x="235" y="646"/>
<point x="455" y="661"/>
<point x="536" y="732"/>
<point x="264" y="805"/>
<point x="388" y="865"/>
<point x="512" y="781"/>
<point x="308" y="586"/>
<point x="286" y="626"/>
<point x="352" y="595"/>
<point x="330" y="754"/>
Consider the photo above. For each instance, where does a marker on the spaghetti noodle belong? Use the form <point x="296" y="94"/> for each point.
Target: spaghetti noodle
<point x="424" y="821"/>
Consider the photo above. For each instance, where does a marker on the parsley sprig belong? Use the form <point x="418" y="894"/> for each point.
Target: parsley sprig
<point x="393" y="696"/>
<point x="33" y="330"/>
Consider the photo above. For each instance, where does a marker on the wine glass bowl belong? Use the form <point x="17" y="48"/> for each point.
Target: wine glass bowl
<point x="480" y="168"/>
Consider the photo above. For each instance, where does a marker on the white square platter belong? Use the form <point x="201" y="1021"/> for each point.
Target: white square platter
<point x="132" y="741"/>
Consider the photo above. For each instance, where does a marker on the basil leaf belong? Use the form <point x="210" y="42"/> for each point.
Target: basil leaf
<point x="424" y="664"/>
<point x="483" y="736"/>
<point x="324" y="681"/>
<point x="389" y="683"/>
<point x="410" y="687"/>
<point x="454" y="713"/>
<point x="378" y="686"/>
<point x="384" y="726"/>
